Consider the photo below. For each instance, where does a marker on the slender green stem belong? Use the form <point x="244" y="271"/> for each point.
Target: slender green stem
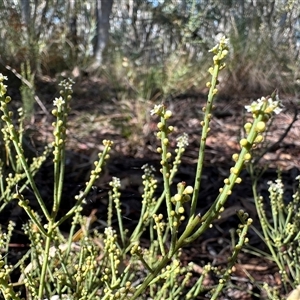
<point x="157" y="268"/>
<point x="145" y="264"/>
<point x="218" y="204"/>
<point x="160" y="238"/>
<point x="166" y="169"/>
<point x="139" y="227"/>
<point x="7" y="290"/>
<point x="264" y="228"/>
<point x="174" y="234"/>
<point x="173" y="172"/>
<point x="220" y="53"/>
<point x="236" y="251"/>
<point x="34" y="218"/>
<point x="31" y="181"/>
<point x="93" y="178"/>
<point x="150" y="277"/>
<point x="120" y="223"/>
<point x="60" y="151"/>
<point x="45" y="260"/>
<point x="20" y="152"/>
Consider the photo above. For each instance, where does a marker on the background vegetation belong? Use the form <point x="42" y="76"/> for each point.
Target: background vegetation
<point x="155" y="48"/>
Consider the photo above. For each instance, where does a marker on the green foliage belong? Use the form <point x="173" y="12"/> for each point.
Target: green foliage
<point x="115" y="264"/>
<point x="177" y="75"/>
<point x="12" y="175"/>
<point x="260" y="54"/>
<point x="281" y="231"/>
<point x="165" y="42"/>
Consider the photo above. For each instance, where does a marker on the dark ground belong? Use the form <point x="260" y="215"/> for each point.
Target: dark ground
<point x="128" y="124"/>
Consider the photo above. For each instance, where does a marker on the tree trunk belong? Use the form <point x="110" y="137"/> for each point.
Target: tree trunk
<point x="103" y="11"/>
<point x="25" y="11"/>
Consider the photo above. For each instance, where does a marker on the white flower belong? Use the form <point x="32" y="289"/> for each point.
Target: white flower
<point x="116" y="182"/>
<point x="183" y="140"/>
<point x="58" y="101"/>
<point x="157" y="109"/>
<point x="108" y="231"/>
<point x="255" y="106"/>
<point x="272" y="105"/>
<point x="224" y="41"/>
<point x="276" y="186"/>
<point x="67" y="84"/>
<point x="2" y="78"/>
<point x="2" y="89"/>
<point x="148" y="170"/>
<point x="275" y="106"/>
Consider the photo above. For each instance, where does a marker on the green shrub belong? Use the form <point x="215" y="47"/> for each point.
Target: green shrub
<point x="280" y="220"/>
<point x="114" y="264"/>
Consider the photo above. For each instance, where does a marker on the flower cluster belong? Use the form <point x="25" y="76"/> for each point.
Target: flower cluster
<point x="183" y="140"/>
<point x="276" y="187"/>
<point x="116" y="182"/>
<point x="67" y="84"/>
<point x="266" y="105"/>
<point x="3" y="87"/>
<point x="183" y="193"/>
<point x="148" y="170"/>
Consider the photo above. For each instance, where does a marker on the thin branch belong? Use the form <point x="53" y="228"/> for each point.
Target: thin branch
<point x="26" y="82"/>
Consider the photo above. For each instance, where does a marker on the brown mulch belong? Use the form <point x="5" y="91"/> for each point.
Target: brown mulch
<point x="128" y="124"/>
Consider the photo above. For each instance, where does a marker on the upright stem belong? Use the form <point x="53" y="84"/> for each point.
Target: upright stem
<point x="220" y="52"/>
<point x="45" y="260"/>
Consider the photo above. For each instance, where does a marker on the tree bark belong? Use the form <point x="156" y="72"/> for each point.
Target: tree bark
<point x="103" y="11"/>
<point x="25" y="11"/>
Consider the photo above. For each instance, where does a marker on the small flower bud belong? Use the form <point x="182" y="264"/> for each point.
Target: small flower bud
<point x="168" y="114"/>
<point x="260" y="127"/>
<point x="224" y="52"/>
<point x="238" y="180"/>
<point x="160" y="125"/>
<point x="243" y="142"/>
<point x="188" y="190"/>
<point x="235" y="157"/>
<point x="226" y="181"/>
<point x="259" y="139"/>
<point x="181" y="209"/>
<point x="186" y="198"/>
<point x="234" y="171"/>
<point x="177" y="197"/>
<point x="211" y="70"/>
<point x="247" y="156"/>
<point x="247" y="127"/>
